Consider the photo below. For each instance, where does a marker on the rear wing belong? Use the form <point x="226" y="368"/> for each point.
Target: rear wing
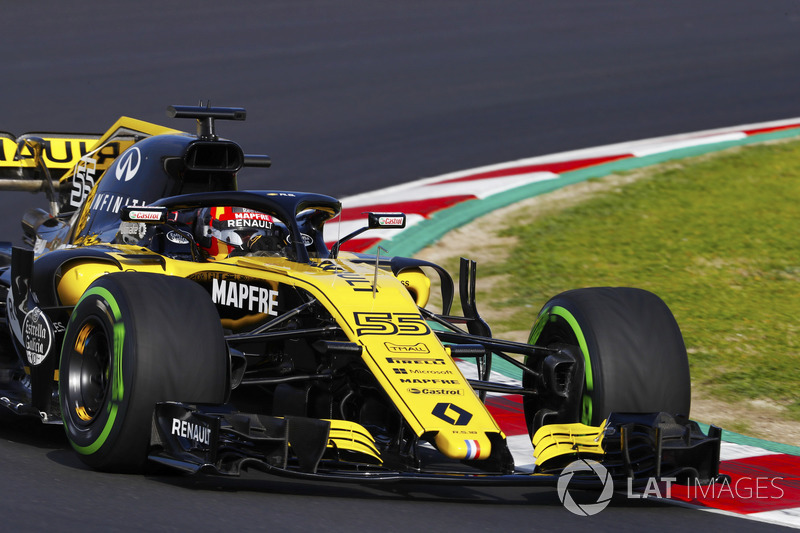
<point x="67" y="165"/>
<point x="61" y="151"/>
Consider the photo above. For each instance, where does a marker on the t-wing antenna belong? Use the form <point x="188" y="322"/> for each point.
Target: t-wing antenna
<point x="205" y="117"/>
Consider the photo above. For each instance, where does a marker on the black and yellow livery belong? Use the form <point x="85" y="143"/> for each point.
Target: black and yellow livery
<point x="163" y="315"/>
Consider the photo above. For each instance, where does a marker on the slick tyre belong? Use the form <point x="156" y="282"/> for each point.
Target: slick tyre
<point x="632" y="348"/>
<point x="135" y="339"/>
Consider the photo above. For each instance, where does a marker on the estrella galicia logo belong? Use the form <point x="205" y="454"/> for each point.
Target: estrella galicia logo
<point x="585" y="466"/>
<point x="177" y="238"/>
<point x="452" y="414"/>
<point x="307" y="239"/>
<point x="38" y="334"/>
<point x="128" y="164"/>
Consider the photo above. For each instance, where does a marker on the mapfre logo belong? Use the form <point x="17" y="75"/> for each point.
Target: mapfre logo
<point x="244" y="296"/>
<point x="128" y="164"/>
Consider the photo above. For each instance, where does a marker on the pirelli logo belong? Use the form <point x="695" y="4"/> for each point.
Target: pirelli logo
<point x="415" y="361"/>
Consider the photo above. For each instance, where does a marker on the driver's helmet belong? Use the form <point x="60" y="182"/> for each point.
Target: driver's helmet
<point x="229" y="231"/>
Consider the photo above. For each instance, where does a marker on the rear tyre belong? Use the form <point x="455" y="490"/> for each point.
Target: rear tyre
<point x="632" y="348"/>
<point x="135" y="339"/>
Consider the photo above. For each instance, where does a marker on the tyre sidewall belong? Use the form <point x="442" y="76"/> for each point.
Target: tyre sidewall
<point x="99" y="307"/>
<point x="634" y="354"/>
<point x="166" y="344"/>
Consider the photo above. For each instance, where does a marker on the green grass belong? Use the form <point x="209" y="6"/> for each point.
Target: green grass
<point x="718" y="238"/>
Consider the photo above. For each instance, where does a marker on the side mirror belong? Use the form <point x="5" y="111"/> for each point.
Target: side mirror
<point x="38" y="223"/>
<point x="148" y="215"/>
<point x="155" y="215"/>
<point x="36" y="145"/>
<point x="374" y="221"/>
<point x="385" y="221"/>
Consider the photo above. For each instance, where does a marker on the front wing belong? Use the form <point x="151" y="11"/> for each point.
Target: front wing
<point x="633" y="448"/>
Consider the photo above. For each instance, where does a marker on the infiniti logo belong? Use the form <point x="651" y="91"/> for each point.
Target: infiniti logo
<point x="128" y="164"/>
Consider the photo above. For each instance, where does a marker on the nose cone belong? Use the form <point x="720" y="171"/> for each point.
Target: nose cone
<point x="456" y="445"/>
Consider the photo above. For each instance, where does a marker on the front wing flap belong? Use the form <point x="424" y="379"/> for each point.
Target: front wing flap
<point x="198" y="439"/>
<point x="189" y="439"/>
<point x="635" y="446"/>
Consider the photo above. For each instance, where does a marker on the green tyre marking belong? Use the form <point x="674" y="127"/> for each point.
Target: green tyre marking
<point x="117" y="387"/>
<point x="550" y="314"/>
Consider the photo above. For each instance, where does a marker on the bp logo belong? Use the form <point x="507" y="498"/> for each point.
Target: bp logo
<point x="585" y="466"/>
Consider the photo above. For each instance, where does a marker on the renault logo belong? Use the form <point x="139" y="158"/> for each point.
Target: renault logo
<point x="452" y="414"/>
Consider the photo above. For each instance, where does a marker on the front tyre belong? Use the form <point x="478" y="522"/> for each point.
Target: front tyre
<point x="135" y="339"/>
<point x="632" y="349"/>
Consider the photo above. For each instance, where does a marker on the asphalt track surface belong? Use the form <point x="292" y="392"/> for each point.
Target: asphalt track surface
<point x="351" y="96"/>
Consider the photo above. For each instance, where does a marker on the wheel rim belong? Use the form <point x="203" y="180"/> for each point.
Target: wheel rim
<point x="88" y="373"/>
<point x="556" y="332"/>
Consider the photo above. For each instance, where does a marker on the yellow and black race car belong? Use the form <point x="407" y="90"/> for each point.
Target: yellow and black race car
<point x="165" y="317"/>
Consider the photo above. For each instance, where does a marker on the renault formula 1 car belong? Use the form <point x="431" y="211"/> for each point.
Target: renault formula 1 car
<point x="165" y="317"/>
